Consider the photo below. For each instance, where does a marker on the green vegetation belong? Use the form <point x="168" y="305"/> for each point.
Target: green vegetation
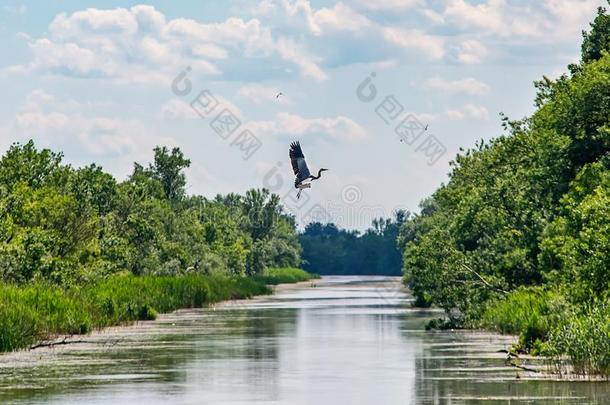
<point x="531" y="312"/>
<point x="284" y="276"/>
<point x="518" y="240"/>
<point x="329" y="250"/>
<point x="80" y="250"/>
<point x="70" y="226"/>
<point x="40" y="311"/>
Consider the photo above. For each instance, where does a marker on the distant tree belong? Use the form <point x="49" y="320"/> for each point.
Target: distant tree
<point x="330" y="250"/>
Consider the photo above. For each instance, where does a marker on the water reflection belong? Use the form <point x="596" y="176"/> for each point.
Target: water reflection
<point x="346" y="341"/>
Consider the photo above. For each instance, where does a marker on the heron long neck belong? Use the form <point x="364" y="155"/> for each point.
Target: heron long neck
<point x="319" y="175"/>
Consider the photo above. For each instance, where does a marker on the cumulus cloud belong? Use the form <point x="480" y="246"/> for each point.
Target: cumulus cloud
<point x="302" y="14"/>
<point x="427" y="45"/>
<point x="337" y="128"/>
<point x="512" y="19"/>
<point x="469" y="85"/>
<point x="486" y="15"/>
<point x="140" y="44"/>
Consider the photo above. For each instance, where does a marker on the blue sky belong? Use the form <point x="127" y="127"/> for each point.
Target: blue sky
<point x="94" y="79"/>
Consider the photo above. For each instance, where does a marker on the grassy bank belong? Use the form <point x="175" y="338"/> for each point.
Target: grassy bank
<point x="548" y="324"/>
<point x="37" y="312"/>
<point x="284" y="275"/>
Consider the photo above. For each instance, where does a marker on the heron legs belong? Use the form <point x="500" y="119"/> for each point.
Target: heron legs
<point x="301" y="187"/>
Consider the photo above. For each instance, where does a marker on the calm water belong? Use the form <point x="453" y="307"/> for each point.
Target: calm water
<point x="346" y="341"/>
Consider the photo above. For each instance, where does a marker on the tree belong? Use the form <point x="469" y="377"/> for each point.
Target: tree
<point x="597" y="40"/>
<point x="167" y="169"/>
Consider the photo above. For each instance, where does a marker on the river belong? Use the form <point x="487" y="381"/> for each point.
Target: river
<point x="339" y="340"/>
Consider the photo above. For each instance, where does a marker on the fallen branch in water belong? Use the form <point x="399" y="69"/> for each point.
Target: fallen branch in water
<point x="65" y="341"/>
<point x="509" y="354"/>
<point x="533" y="370"/>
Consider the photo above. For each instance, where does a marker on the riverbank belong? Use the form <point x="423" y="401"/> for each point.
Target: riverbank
<point x="574" y="340"/>
<point x="39" y="312"/>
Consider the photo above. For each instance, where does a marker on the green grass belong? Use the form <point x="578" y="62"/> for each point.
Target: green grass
<point x="584" y="339"/>
<point x="284" y="275"/>
<point x="38" y="312"/>
<point x="547" y="324"/>
<point x="530" y="313"/>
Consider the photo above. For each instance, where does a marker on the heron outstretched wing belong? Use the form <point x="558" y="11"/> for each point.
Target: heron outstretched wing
<point x="297" y="159"/>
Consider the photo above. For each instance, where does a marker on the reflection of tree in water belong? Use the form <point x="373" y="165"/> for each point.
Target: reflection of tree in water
<point x="242" y="352"/>
<point x="221" y="347"/>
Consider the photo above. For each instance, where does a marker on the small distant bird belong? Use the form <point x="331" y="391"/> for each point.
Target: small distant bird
<point x="279" y="94"/>
<point x="299" y="166"/>
<point x="426" y="127"/>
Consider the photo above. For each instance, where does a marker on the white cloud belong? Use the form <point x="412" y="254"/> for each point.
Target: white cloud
<point x="468" y="85"/>
<point x="487" y="15"/>
<point x="428" y="45"/>
<point x="300" y="13"/>
<point x="342" y="24"/>
<point x="340" y="18"/>
<point x="140" y="45"/>
<point x="338" y="128"/>
<point x="470" y="52"/>
<point x="515" y="20"/>
<point x="292" y="52"/>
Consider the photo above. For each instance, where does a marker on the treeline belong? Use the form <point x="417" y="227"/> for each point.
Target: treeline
<point x="70" y="226"/>
<point x="518" y="240"/>
<point x="330" y="250"/>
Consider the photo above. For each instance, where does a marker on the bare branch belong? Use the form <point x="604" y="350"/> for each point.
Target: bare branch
<point x="489" y="285"/>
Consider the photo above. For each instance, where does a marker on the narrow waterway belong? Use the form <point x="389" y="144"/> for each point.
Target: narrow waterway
<point x="342" y="340"/>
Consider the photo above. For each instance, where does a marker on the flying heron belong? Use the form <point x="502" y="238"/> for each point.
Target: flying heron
<point x="299" y="166"/>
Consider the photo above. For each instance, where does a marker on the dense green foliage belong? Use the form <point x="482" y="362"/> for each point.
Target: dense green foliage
<point x="79" y="250"/>
<point x="40" y="311"/>
<point x="529" y="208"/>
<point x="69" y="226"/>
<point x="329" y="250"/>
<point x="284" y="276"/>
